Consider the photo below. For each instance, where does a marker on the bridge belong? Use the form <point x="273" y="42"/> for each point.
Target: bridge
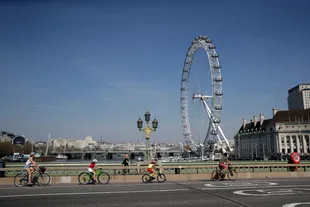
<point x="112" y="151"/>
<point x="87" y="154"/>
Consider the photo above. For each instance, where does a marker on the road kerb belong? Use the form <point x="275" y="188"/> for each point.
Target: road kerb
<point x="172" y="177"/>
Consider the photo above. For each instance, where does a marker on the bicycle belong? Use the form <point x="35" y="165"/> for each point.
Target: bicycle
<point x="220" y="174"/>
<point x="87" y="177"/>
<point x="146" y="178"/>
<point x="21" y="179"/>
<point x="117" y="173"/>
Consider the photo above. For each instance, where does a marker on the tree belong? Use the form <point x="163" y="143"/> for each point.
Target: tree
<point x="6" y="148"/>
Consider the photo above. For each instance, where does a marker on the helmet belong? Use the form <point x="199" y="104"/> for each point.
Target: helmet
<point x="32" y="153"/>
<point x="225" y="154"/>
<point x="95" y="160"/>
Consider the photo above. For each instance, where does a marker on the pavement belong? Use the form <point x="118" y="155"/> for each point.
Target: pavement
<point x="260" y="193"/>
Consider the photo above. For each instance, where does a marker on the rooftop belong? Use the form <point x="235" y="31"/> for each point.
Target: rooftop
<point x="296" y="87"/>
<point x="285" y="116"/>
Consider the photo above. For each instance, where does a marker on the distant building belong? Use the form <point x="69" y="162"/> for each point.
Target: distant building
<point x="299" y="97"/>
<point x="68" y="144"/>
<point x="269" y="138"/>
<point x="10" y="137"/>
<point x="6" y="136"/>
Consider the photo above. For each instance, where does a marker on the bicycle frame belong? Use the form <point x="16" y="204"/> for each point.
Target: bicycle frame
<point x="155" y="174"/>
<point x="34" y="176"/>
<point x="99" y="171"/>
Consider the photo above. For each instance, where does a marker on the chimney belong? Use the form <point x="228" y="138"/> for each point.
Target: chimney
<point x="244" y="123"/>
<point x="255" y="120"/>
<point x="274" y="111"/>
<point x="261" y="119"/>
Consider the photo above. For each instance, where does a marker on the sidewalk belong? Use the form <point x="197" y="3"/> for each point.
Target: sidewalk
<point x="173" y="177"/>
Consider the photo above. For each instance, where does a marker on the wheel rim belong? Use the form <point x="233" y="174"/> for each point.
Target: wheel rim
<point x="232" y="175"/>
<point x="215" y="175"/>
<point x="84" y="178"/>
<point x="103" y="178"/>
<point x="161" y="178"/>
<point x="20" y="180"/>
<point x="145" y="178"/>
<point x="43" y="179"/>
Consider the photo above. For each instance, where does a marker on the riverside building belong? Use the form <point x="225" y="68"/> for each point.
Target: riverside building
<point x="286" y="131"/>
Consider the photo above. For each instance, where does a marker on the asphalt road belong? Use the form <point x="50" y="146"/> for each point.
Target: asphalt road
<point x="260" y="193"/>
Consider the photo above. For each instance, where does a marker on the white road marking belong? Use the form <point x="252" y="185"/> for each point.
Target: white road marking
<point x="104" y="186"/>
<point x="251" y="187"/>
<point x="271" y="192"/>
<point x="295" y="204"/>
<point x="91" y="193"/>
<point x="239" y="184"/>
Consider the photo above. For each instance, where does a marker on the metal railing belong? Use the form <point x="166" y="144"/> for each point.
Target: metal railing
<point x="75" y="169"/>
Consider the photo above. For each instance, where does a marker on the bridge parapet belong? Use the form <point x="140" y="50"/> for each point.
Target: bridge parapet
<point x="115" y="170"/>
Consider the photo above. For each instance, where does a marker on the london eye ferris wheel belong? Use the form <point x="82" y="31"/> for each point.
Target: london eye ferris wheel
<point x="212" y="103"/>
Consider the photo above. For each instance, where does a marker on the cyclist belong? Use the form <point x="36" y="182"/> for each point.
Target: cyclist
<point x="151" y="169"/>
<point x="223" y="163"/>
<point x="125" y="163"/>
<point x="29" y="169"/>
<point x="92" y="169"/>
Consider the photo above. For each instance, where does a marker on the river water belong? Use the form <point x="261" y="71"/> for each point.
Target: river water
<point x="116" y="159"/>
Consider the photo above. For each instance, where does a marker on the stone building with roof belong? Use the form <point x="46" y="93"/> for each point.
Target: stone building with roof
<point x="286" y="131"/>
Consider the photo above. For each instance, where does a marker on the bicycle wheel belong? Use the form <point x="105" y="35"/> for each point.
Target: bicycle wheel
<point x="161" y="178"/>
<point x="43" y="179"/>
<point x="20" y="180"/>
<point x="232" y="175"/>
<point x="146" y="178"/>
<point x="84" y="178"/>
<point x="103" y="178"/>
<point x="215" y="175"/>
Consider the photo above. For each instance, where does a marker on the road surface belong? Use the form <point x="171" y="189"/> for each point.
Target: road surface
<point x="260" y="193"/>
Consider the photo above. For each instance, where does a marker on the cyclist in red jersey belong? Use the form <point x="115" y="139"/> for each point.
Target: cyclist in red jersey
<point x="92" y="169"/>
<point x="224" y="162"/>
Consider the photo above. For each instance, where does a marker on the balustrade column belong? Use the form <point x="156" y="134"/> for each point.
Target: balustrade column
<point x="298" y="143"/>
<point x="280" y="144"/>
<point x="304" y="142"/>
<point x="291" y="144"/>
<point x="285" y="145"/>
<point x="308" y="144"/>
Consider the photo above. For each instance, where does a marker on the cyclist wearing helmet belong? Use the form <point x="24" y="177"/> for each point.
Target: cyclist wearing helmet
<point x="92" y="169"/>
<point x="151" y="169"/>
<point x="28" y="167"/>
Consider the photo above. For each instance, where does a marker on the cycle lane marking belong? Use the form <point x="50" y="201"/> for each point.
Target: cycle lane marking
<point x="273" y="192"/>
<point x="295" y="204"/>
<point x="239" y="184"/>
<point x="255" y="187"/>
<point x="93" y="193"/>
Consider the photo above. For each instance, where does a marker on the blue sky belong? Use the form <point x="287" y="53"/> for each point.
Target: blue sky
<point x="78" y="68"/>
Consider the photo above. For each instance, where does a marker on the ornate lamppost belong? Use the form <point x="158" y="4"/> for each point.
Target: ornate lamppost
<point x="147" y="130"/>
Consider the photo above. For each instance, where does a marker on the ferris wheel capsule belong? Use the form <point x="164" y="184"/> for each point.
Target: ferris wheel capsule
<point x="216" y="66"/>
<point x="218" y="79"/>
<point x="212" y="47"/>
<point x="214" y="55"/>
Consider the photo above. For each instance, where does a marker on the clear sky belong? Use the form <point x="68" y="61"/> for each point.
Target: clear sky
<point x="92" y="68"/>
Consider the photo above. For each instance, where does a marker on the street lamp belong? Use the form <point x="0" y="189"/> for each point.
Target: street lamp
<point x="147" y="130"/>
